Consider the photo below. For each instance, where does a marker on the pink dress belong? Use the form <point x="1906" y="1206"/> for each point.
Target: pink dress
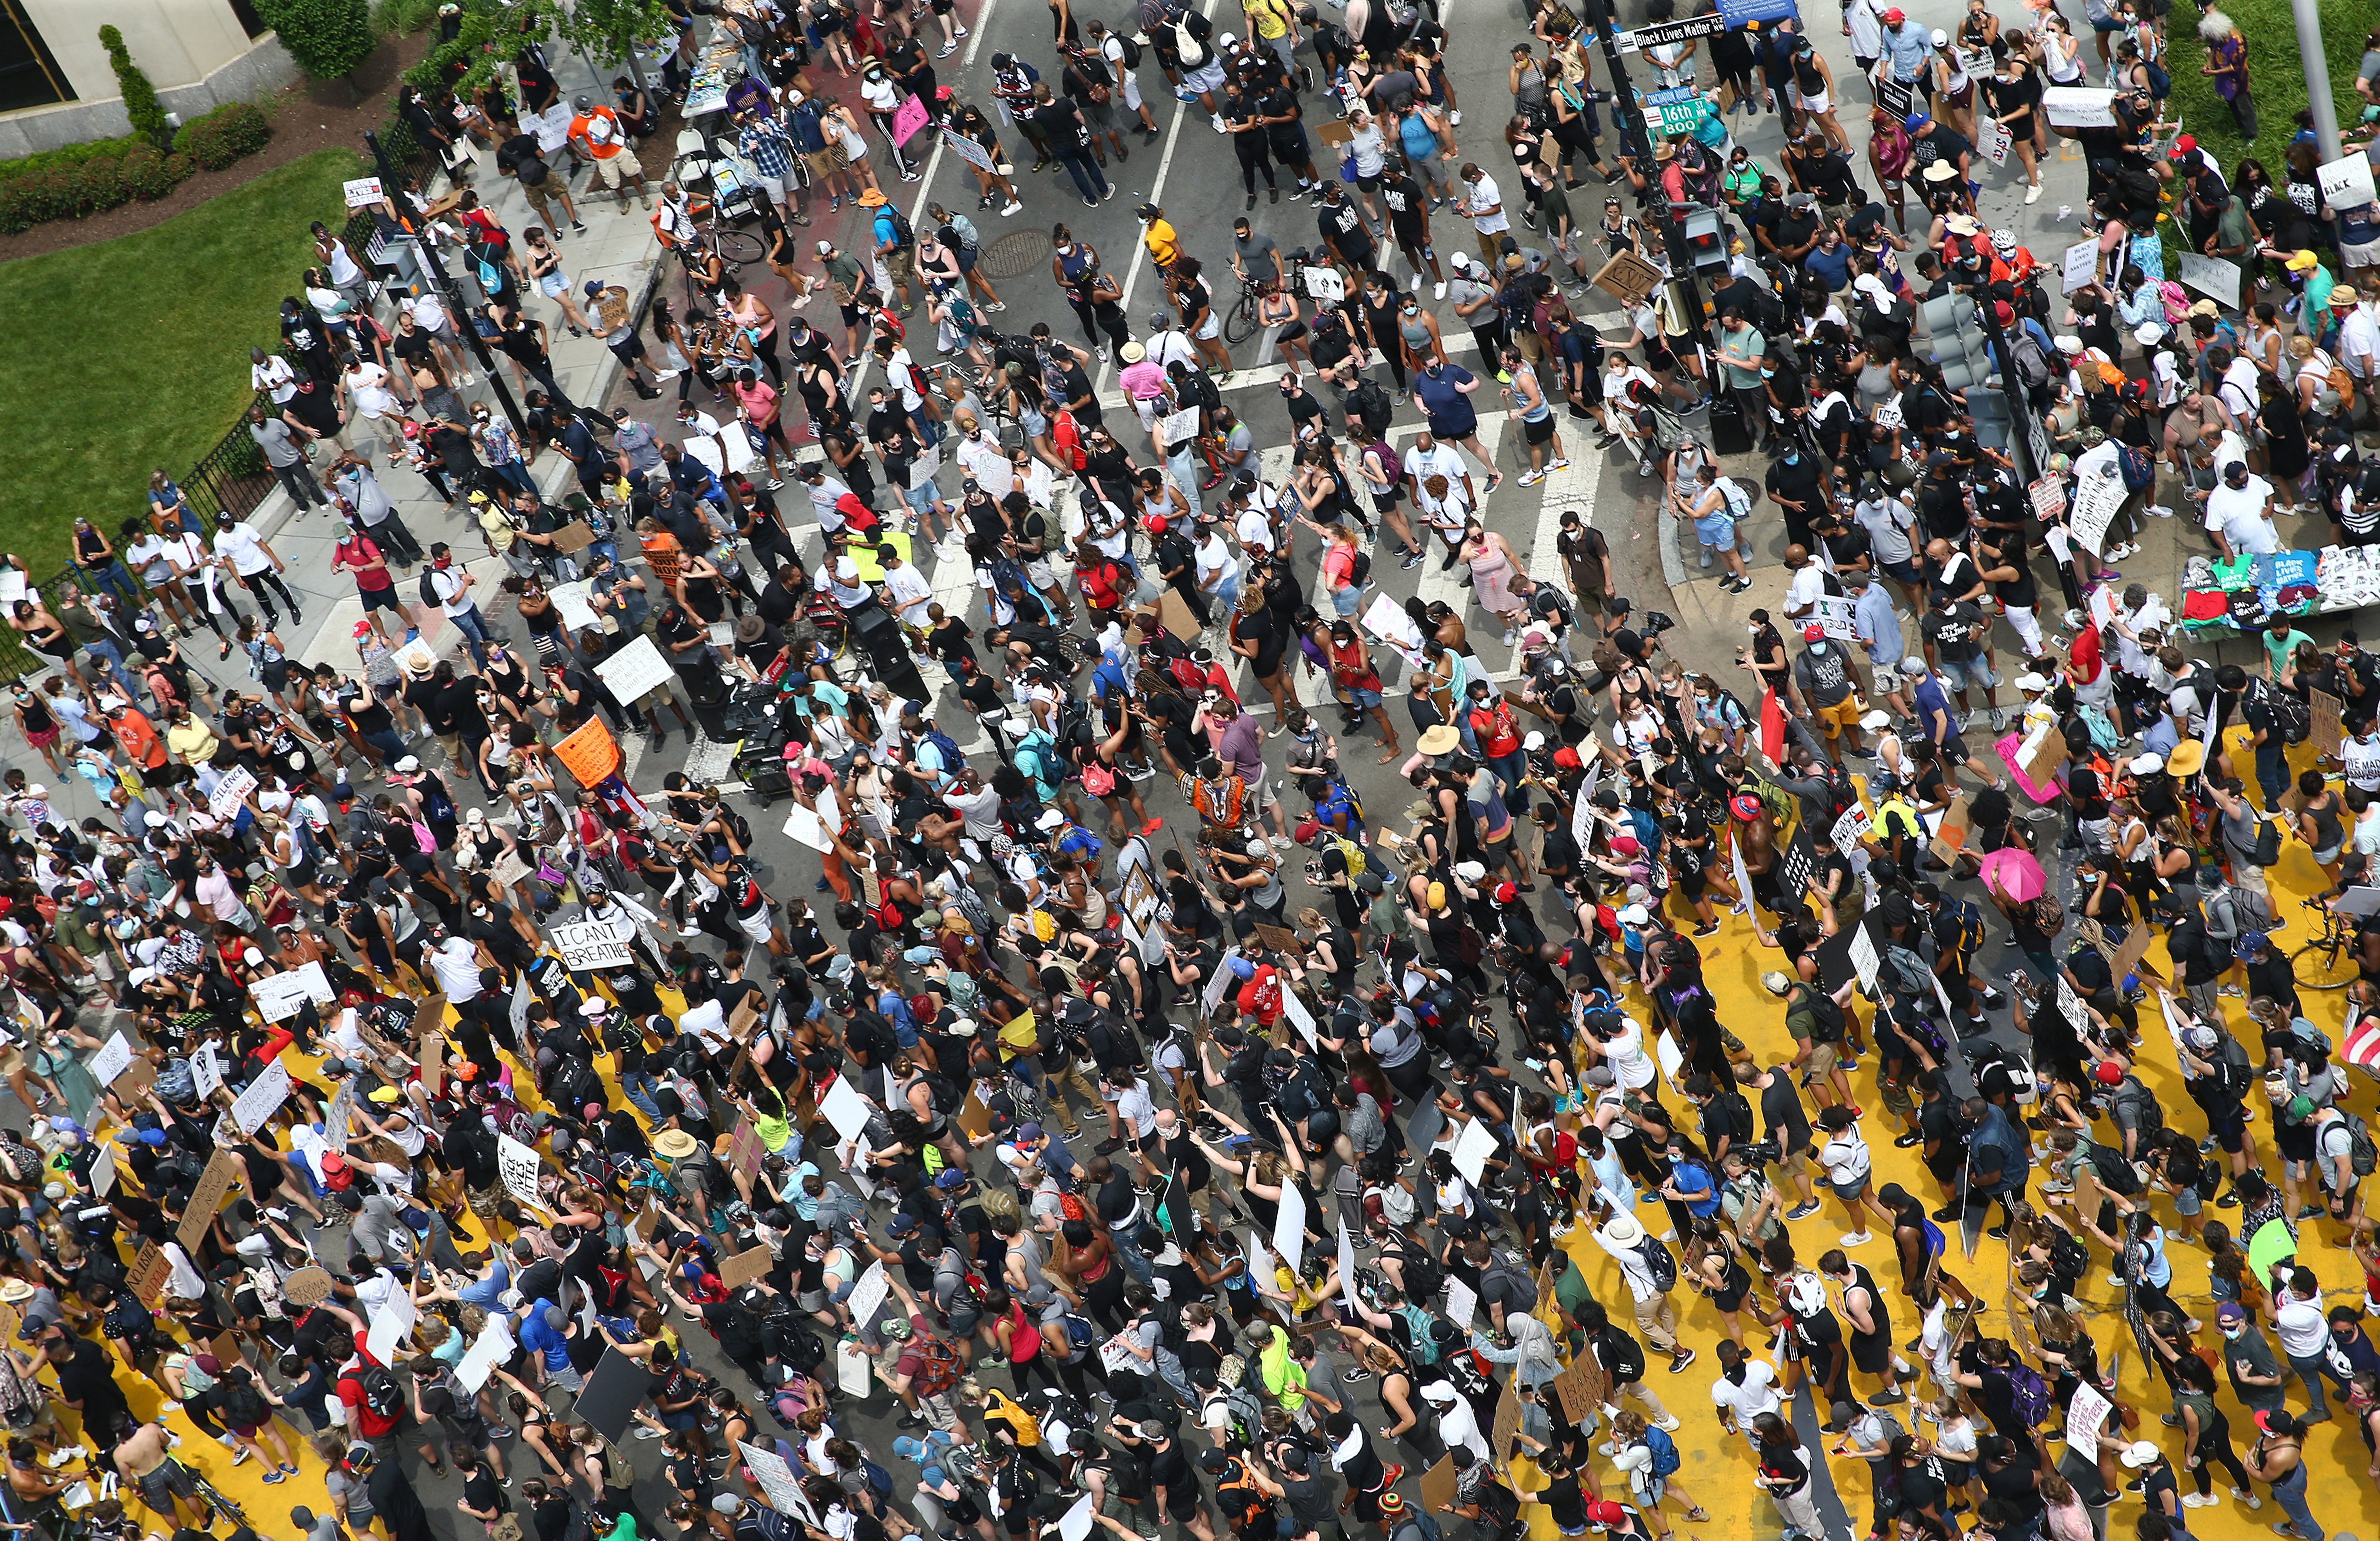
<point x="1491" y="576"/>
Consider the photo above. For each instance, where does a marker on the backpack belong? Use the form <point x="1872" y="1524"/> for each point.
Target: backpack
<point x="1624" y="1357"/>
<point x="1131" y="50"/>
<point x="1359" y="572"/>
<point x="1417" y="1523"/>
<point x="2029" y="1393"/>
<point x="2114" y="1173"/>
<point x="1186" y="45"/>
<point x="382" y="1396"/>
<point x="2148" y="1116"/>
<point x="2268" y="843"/>
<point x="2160" y="83"/>
<point x="945" y="746"/>
<point x="2139" y="471"/>
<point x="1246" y="1414"/>
<point x="429" y="589"/>
<point x="902" y="235"/>
<point x="1664" y="1449"/>
<point x="2362" y="1155"/>
<point x="1659" y="1262"/>
<point x="1825" y="1016"/>
<point x="2292" y="716"/>
<point x="1080" y="1333"/>
<point x="1420" y="1327"/>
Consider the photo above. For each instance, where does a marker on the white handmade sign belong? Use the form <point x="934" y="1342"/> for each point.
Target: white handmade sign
<point x="1076" y="1524"/>
<point x="2079" y="107"/>
<point x="2096" y="499"/>
<point x="491" y="1348"/>
<point x="392" y="1324"/>
<point x="1116" y="1356"/>
<point x="776" y="1479"/>
<point x="1179" y="428"/>
<point x="868" y="1296"/>
<point x="1462" y="1303"/>
<point x="1997" y="143"/>
<point x="2080" y="265"/>
<point x="1839" y="614"/>
<point x="806" y="828"/>
<point x="969" y="148"/>
<point x="1289" y="1227"/>
<point x="1850" y="829"/>
<point x="571" y="603"/>
<point x="362" y="192"/>
<point x="114" y="1058"/>
<point x="1300" y="1018"/>
<point x="2212" y="277"/>
<point x="1864" y="958"/>
<point x="635" y="670"/>
<point x="263" y="1097"/>
<point x="586" y="945"/>
<point x="519" y="1165"/>
<point x="844" y="1107"/>
<point x="206" y="1070"/>
<point x="102" y="1172"/>
<point x="2086" y="1412"/>
<point x="279" y="997"/>
<point x="2346" y="183"/>
<point x="1472" y="1148"/>
<point x="235" y="788"/>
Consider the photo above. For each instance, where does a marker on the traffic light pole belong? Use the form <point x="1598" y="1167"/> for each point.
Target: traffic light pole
<point x="2020" y="415"/>
<point x="427" y="254"/>
<point x="1635" y="140"/>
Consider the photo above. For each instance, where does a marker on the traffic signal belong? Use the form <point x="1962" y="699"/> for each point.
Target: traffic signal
<point x="1705" y="235"/>
<point x="1956" y="340"/>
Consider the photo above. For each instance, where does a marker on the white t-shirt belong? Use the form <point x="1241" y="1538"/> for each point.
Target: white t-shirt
<point x="2239" y="513"/>
<point x="275" y="375"/>
<point x="239" y="545"/>
<point x="2304" y="1331"/>
<point x="454" y="596"/>
<point x="1749" y="1400"/>
<point x="910" y="593"/>
<point x="368" y="387"/>
<point x="1485" y="194"/>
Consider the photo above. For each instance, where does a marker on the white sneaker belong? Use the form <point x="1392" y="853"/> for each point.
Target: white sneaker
<point x="1454" y="120"/>
<point x="1011" y="207"/>
<point x="1667" y="1424"/>
<point x="1217" y="119"/>
<point x="1855" y="1238"/>
<point x="1441" y="291"/>
<point x="2197" y="1500"/>
<point x="2158" y="510"/>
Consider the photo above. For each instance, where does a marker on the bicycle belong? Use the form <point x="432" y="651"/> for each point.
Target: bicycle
<point x="1243" y="322"/>
<point x="212" y="1496"/>
<point x="2327" y="961"/>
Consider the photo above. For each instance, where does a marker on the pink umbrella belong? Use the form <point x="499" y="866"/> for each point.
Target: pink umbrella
<point x="2013" y="872"/>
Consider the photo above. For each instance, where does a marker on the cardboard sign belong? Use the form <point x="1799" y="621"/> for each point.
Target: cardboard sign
<point x="1438" y="1485"/>
<point x="974" y="1117"/>
<point x="907" y="118"/>
<point x="307" y="1286"/>
<point x="745" y="1151"/>
<point x="1997" y="143"/>
<point x="586" y="945"/>
<point x="263" y="1097"/>
<point x="776" y="1479"/>
<point x="2048" y="498"/>
<point x="222" y="1174"/>
<point x="1951" y="837"/>
<point x="278" y="997"/>
<point x="636" y="670"/>
<point x="2043" y="754"/>
<point x="589" y="754"/>
<point x="1507" y="1432"/>
<point x="2346" y="183"/>
<point x="1583" y="1389"/>
<point x="149" y="1272"/>
<point x="747" y="1267"/>
<point x="2327" y="733"/>
<point x="1627" y="278"/>
<point x="511" y="870"/>
<point x="2128" y="959"/>
<point x="102" y="1172"/>
<point x="363" y="192"/>
<point x="236" y="785"/>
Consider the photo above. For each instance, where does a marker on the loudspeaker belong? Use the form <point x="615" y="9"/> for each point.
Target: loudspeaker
<point x="887" y="647"/>
<point x="1730" y="434"/>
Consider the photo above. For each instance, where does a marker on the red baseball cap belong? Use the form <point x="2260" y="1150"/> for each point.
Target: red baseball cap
<point x="1603" y="1512"/>
<point x="2108" y="1073"/>
<point x="1811" y="632"/>
<point x="1895" y="16"/>
<point x="2182" y="147"/>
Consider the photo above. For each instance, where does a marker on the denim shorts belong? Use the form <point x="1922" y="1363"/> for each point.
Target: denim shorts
<point x="1716" y="530"/>
<point x="1974" y="674"/>
<point x="1364" y="699"/>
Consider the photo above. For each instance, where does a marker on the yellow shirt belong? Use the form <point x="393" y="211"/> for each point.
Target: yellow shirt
<point x="1270" y="17"/>
<point x="1164" y="246"/>
<point x="192" y="741"/>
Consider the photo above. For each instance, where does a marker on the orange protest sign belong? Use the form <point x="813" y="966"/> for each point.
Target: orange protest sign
<point x="589" y="754"/>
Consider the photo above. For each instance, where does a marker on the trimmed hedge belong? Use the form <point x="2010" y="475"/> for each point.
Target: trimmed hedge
<point x="61" y="184"/>
<point x="221" y="136"/>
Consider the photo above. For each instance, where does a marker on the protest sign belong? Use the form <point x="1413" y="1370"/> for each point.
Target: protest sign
<point x="586" y="945"/>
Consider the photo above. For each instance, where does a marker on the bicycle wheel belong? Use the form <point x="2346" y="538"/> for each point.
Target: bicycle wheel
<point x="1240" y="324"/>
<point x="736" y="246"/>
<point x="2324" y="965"/>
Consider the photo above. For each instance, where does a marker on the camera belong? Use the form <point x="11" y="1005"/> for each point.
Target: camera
<point x="1761" y="1153"/>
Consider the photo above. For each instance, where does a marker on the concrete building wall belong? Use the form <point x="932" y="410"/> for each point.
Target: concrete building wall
<point x="195" y="52"/>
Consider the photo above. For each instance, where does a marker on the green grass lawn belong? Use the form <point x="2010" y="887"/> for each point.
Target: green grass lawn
<point x="132" y="354"/>
<point x="2275" y="77"/>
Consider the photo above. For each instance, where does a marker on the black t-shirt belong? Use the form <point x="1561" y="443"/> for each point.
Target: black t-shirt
<point x="1170" y="1469"/>
<point x="1258" y="629"/>
<point x="1781" y="1113"/>
<point x="1956" y="633"/>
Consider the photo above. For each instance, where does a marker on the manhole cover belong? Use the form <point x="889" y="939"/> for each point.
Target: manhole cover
<point x="1014" y="255"/>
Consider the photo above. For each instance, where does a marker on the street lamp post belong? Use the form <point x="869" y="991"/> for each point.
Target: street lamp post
<point x="432" y="264"/>
<point x="1635" y="140"/>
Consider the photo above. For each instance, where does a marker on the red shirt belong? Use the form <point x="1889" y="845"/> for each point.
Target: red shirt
<point x="361" y="1418"/>
<point x="357" y="550"/>
<point x="1260" y="996"/>
<point x="1494" y="726"/>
